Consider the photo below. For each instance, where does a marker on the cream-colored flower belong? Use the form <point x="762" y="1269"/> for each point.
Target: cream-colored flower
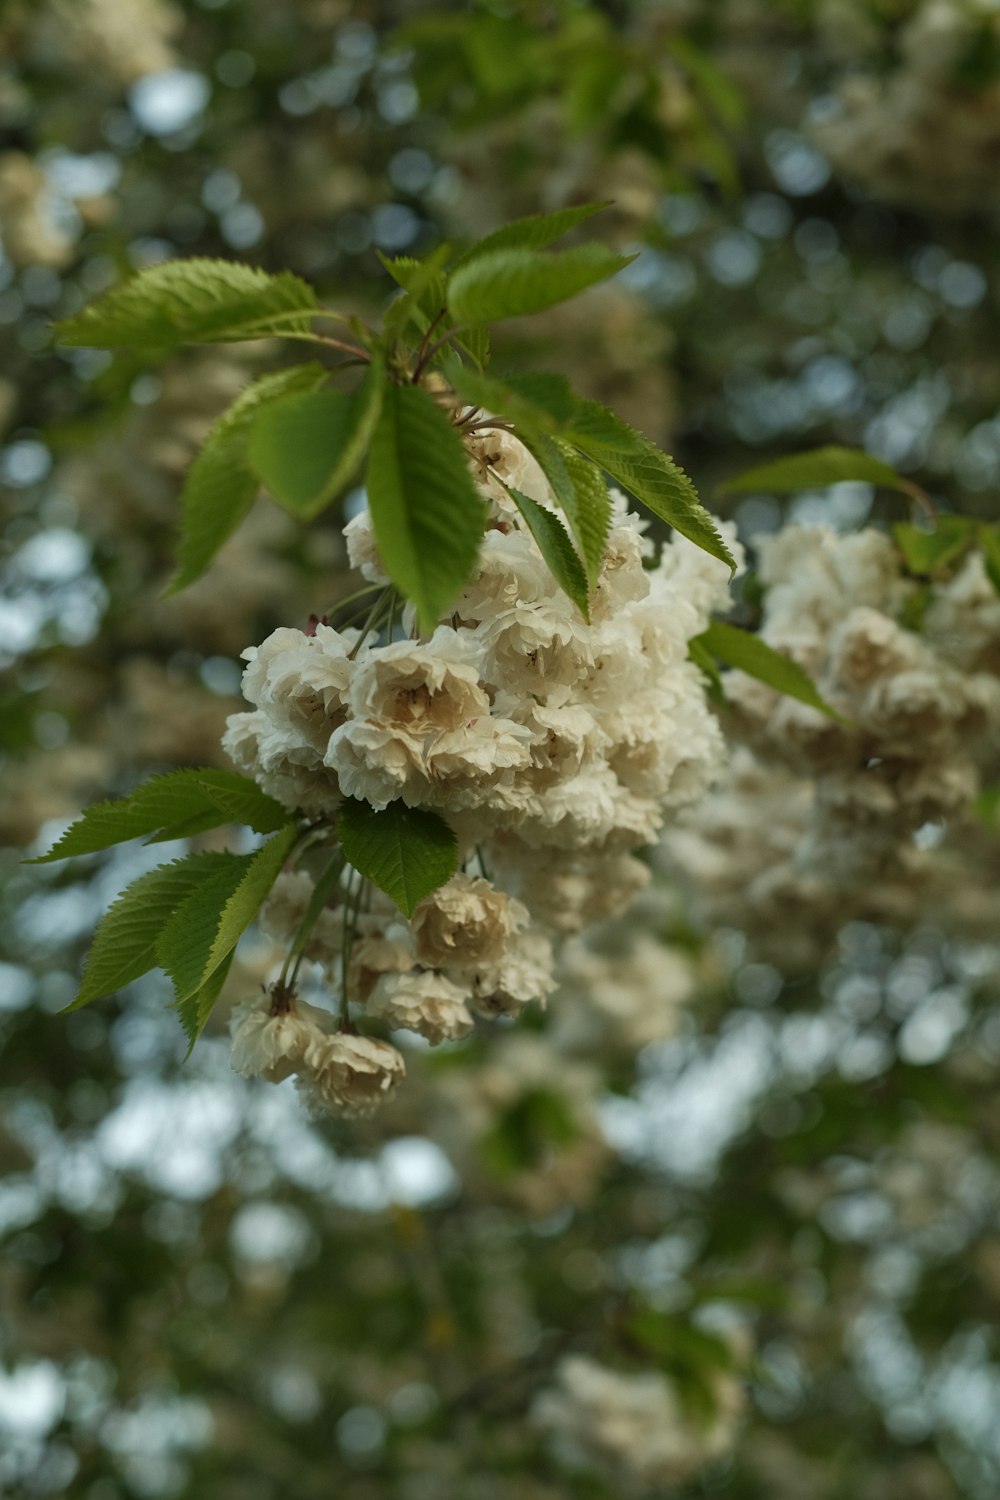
<point x="272" y="1034"/>
<point x="426" y="1002"/>
<point x="632" y="1426"/>
<point x="362" y="549"/>
<point x="303" y="680"/>
<point x="349" y="1075"/>
<point x="466" y="922"/>
<point x="497" y="455"/>
<point x="524" y="973"/>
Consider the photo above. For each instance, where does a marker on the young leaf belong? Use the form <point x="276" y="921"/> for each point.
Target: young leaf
<point x="649" y="475"/>
<point x="194" y="1012"/>
<point x="220" y="486"/>
<point x="589" y="510"/>
<point x="929" y="552"/>
<point x="531" y="233"/>
<point x="511" y="283"/>
<point x="555" y="546"/>
<point x="124" y="945"/>
<point x="206" y="927"/>
<point x="306" y="449"/>
<point x="427" y="516"/>
<point x="747" y="652"/>
<point x="202" y="799"/>
<point x="815" y="470"/>
<point x="196" y="301"/>
<point x="425" y="288"/>
<point x="406" y="851"/>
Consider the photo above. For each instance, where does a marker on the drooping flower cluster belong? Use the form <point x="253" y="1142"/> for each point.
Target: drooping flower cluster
<point x="551" y="744"/>
<point x="927" y="132"/>
<point x="632" y="1427"/>
<point x="818" y="825"/>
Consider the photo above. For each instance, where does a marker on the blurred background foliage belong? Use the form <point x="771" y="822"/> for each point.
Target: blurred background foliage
<point x="790" y="1176"/>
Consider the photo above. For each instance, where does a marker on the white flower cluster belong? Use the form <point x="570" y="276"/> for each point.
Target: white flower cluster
<point x="552" y="745"/>
<point x="276" y="1035"/>
<point x="817" y="826"/>
<point x="926" y="133"/>
<point x="632" y="1428"/>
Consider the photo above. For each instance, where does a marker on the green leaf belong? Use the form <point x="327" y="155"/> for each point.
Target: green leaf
<point x="815" y="470"/>
<point x="124" y="945"/>
<point x="196" y="301"/>
<point x="531" y="233"/>
<point x="194" y="1012"/>
<point x="511" y="283"/>
<point x="705" y="661"/>
<point x="406" y="851"/>
<point x="989" y="540"/>
<point x="927" y="553"/>
<point x="544" y="401"/>
<point x="192" y="800"/>
<point x="589" y="509"/>
<point x="307" y="448"/>
<point x="424" y="288"/>
<point x="220" y="486"/>
<point x="206" y="927"/>
<point x="427" y="515"/>
<point x="649" y="475"/>
<point x="555" y="546"/>
<point x="747" y="652"/>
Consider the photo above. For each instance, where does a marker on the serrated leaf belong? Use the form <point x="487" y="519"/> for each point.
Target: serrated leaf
<point x="531" y="233"/>
<point x="427" y="515"/>
<point x="748" y="653"/>
<point x="203" y="798"/>
<point x="193" y="1013"/>
<point x="406" y="851"/>
<point x="928" y="552"/>
<point x="815" y="470"/>
<point x="124" y="944"/>
<point x="196" y="301"/>
<point x="206" y="927"/>
<point x="512" y="283"/>
<point x="221" y="486"/>
<point x="589" y="510"/>
<point x="652" y="477"/>
<point x="306" y="449"/>
<point x="554" y="544"/>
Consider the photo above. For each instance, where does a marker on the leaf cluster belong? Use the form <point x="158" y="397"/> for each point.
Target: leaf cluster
<point x="425" y="382"/>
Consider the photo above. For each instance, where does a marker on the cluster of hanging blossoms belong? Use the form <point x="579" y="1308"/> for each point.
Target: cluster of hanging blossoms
<point x="554" y="747"/>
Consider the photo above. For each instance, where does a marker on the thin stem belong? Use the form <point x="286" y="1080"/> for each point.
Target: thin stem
<point x="352" y="908"/>
<point x="422" y="352"/>
<point x="429" y="354"/>
<point x="321" y="890"/>
<point x="469" y="416"/>
<point x="370" y="623"/>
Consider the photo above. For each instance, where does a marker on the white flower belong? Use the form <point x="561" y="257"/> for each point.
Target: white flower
<point x="497" y="455"/>
<point x="302" y="680"/>
<point x="465" y="923"/>
<point x="348" y="1075"/>
<point x="522" y="974"/>
<point x="362" y="549"/>
<point x="281" y="764"/>
<point x="271" y="1035"/>
<point x="426" y="1002"/>
<point x="634" y="1424"/>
